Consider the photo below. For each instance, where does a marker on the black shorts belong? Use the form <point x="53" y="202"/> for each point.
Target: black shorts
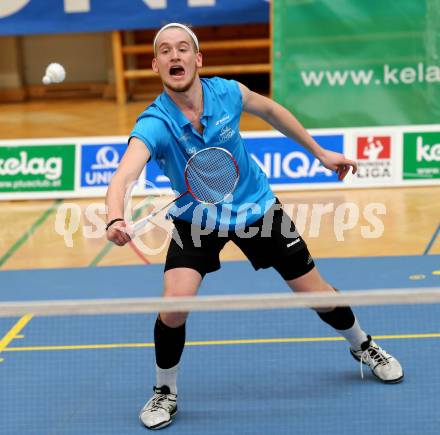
<point x="274" y="242"/>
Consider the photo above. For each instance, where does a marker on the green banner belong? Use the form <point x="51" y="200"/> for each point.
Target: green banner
<point x="421" y="156"/>
<point x="37" y="168"/>
<point x="347" y="63"/>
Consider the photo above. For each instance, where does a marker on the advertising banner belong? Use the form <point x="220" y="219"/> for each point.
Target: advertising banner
<point x="283" y="161"/>
<point x="37" y="168"/>
<point x="84" y="166"/>
<point x="99" y="162"/>
<point x="19" y="17"/>
<point x="345" y="63"/>
<point x="421" y="156"/>
<point x="377" y="157"/>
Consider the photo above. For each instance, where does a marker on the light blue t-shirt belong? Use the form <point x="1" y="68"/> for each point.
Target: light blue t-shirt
<point x="171" y="139"/>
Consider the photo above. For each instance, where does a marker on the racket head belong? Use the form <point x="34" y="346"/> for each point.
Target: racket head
<point x="211" y="174"/>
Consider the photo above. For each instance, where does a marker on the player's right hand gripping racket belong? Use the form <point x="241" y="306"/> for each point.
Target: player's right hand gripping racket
<point x="211" y="174"/>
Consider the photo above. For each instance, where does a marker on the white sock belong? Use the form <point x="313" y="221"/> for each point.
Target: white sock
<point x="167" y="377"/>
<point x="354" y="335"/>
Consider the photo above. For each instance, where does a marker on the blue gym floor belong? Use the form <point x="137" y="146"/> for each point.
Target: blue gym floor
<point x="261" y="372"/>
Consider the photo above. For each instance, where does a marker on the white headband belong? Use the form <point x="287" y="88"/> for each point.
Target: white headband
<point x="181" y="26"/>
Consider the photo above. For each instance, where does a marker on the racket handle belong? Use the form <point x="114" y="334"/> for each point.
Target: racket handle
<point x="138" y="225"/>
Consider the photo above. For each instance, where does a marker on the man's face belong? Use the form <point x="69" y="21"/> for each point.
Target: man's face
<point x="177" y="60"/>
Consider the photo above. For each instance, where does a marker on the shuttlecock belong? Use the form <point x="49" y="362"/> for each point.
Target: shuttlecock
<point x="55" y="73"/>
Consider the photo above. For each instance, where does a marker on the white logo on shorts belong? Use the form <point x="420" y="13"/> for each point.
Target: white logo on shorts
<point x="293" y="243"/>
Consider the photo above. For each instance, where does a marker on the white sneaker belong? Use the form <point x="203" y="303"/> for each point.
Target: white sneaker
<point x="158" y="412"/>
<point x="384" y="366"/>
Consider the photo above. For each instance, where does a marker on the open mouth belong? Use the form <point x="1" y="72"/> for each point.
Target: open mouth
<point x="177" y="70"/>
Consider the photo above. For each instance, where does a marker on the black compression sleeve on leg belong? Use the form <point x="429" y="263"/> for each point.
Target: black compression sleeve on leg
<point x="169" y="344"/>
<point x="340" y="318"/>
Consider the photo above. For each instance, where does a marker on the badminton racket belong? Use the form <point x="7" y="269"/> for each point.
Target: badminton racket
<point x="211" y="174"/>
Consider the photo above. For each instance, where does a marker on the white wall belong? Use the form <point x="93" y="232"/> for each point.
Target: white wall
<point x="9" y="62"/>
<point x="87" y="57"/>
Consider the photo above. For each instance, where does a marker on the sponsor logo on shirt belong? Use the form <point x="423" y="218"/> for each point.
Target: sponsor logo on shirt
<point x="184" y="138"/>
<point x="191" y="150"/>
<point x="226" y="133"/>
<point x="221" y="121"/>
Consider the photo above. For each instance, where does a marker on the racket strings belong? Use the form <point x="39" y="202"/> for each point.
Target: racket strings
<point x="211" y="175"/>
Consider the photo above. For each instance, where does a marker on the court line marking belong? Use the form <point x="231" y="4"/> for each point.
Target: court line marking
<point x="138" y="252"/>
<point x="216" y="342"/>
<point x="25" y="236"/>
<point x="14" y="331"/>
<point x="101" y="254"/>
<point x="431" y="242"/>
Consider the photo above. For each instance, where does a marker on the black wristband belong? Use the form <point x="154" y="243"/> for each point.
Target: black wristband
<point x="112" y="222"/>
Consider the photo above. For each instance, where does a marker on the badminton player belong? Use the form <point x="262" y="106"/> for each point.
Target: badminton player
<point x="191" y="114"/>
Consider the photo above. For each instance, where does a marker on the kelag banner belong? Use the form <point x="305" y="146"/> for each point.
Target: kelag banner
<point x="37" y="168"/>
<point x="18" y="17"/>
<point x="358" y="63"/>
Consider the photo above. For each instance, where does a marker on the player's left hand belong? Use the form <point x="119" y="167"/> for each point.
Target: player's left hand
<point x="337" y="162"/>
